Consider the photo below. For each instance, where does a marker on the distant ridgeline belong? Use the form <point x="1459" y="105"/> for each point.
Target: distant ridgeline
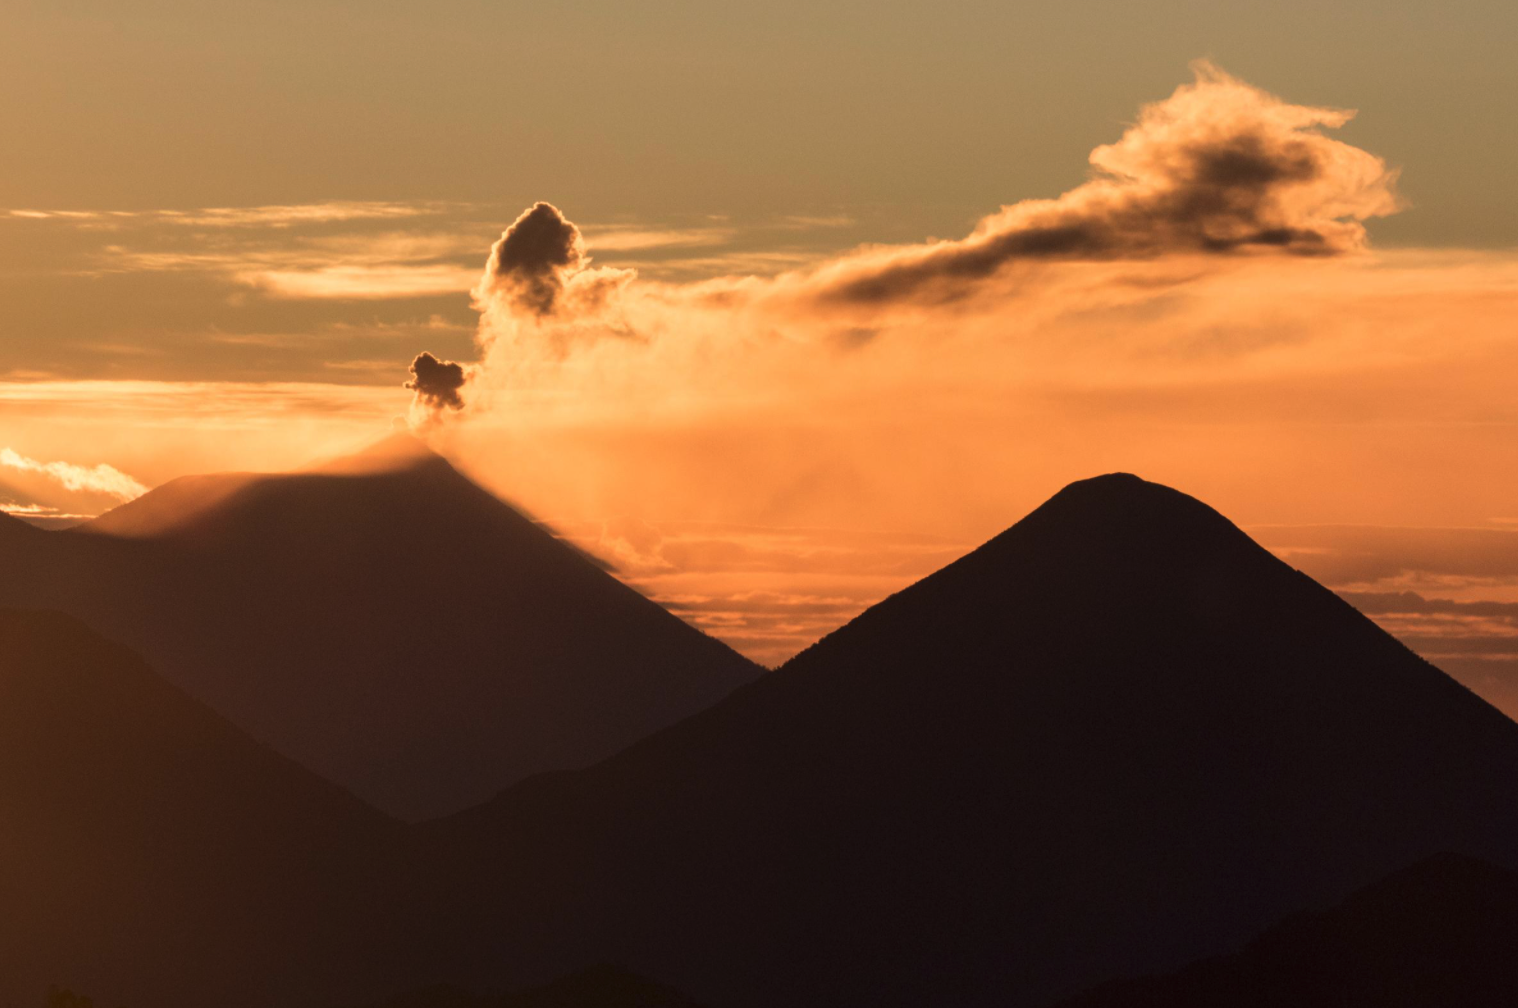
<point x="1116" y="740"/>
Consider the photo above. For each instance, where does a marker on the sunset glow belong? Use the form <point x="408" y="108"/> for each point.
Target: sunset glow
<point x="784" y="505"/>
<point x="769" y="452"/>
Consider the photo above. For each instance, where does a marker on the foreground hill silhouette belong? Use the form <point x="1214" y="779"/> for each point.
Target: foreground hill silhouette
<point x="149" y="849"/>
<point x="384" y="621"/>
<point x="1441" y="933"/>
<point x="1115" y="738"/>
<point x="602" y="986"/>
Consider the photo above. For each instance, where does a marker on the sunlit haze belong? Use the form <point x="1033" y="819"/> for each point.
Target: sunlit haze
<point x="795" y="307"/>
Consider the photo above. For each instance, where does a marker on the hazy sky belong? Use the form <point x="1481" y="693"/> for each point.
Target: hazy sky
<point x="928" y="114"/>
<point x="226" y="230"/>
<point x="893" y="120"/>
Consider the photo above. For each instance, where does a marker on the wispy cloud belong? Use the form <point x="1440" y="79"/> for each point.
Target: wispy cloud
<point x="803" y="222"/>
<point x="757" y="263"/>
<point x="353" y="283"/>
<point x="101" y="478"/>
<point x="633" y="237"/>
<point x="298" y="213"/>
<point x="768" y="591"/>
<point x="1450" y="594"/>
<point x="273" y="215"/>
<point x="217" y="406"/>
<point x="331" y="267"/>
<point x="72" y="215"/>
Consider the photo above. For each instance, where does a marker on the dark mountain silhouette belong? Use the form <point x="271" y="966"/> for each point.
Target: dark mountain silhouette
<point x="1441" y="933"/>
<point x="149" y="849"/>
<point x="13" y="528"/>
<point x="383" y="621"/>
<point x="603" y="986"/>
<point x="1115" y="738"/>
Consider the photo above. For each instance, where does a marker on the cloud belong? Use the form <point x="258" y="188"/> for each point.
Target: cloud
<point x="352" y="283"/>
<point x="1218" y="167"/>
<point x="157" y="411"/>
<point x="274" y="215"/>
<point x="1217" y="170"/>
<point x="286" y="215"/>
<point x="710" y="573"/>
<point x="1197" y="312"/>
<point x="636" y="238"/>
<point x="320" y="267"/>
<point x="436" y="383"/>
<point x="101" y="479"/>
<point x="1346" y="555"/>
<point x="1411" y="603"/>
<point x="1474" y="641"/>
<point x="530" y="263"/>
<point x="755" y="262"/>
<point x="539" y="268"/>
<point x="805" y="222"/>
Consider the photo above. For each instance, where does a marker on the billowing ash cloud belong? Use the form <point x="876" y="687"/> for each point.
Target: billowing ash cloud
<point x="436" y="383"/>
<point x="1218" y="167"/>
<point x="1218" y="171"/>
<point x="539" y="265"/>
<point x="532" y="259"/>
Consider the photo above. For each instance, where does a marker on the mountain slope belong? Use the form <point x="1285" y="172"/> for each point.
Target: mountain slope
<point x="1115" y="738"/>
<point x="149" y="849"/>
<point x="1442" y="932"/>
<point x="12" y="528"/>
<point x="602" y="986"/>
<point x="385" y="622"/>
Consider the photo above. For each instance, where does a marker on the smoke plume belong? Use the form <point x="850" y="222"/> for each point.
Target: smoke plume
<point x="436" y="383"/>
<point x="1217" y="178"/>
<point x="539" y="268"/>
<point x="1218" y="167"/>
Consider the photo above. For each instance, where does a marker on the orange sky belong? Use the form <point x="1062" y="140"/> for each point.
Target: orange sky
<point x="769" y="427"/>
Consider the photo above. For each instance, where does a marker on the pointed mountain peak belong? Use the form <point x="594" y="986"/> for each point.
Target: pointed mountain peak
<point x="190" y="501"/>
<point x="398" y="451"/>
<point x="1120" y="511"/>
<point x="1120" y="492"/>
<point x="1114" y="481"/>
<point x="1118" y="541"/>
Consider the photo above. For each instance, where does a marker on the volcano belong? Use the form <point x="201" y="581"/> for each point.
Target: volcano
<point x="382" y="620"/>
<point x="1115" y="738"/>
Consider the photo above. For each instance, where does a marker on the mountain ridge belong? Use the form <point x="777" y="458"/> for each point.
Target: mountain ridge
<point x="148" y="845"/>
<point x="1118" y="736"/>
<point x="401" y="631"/>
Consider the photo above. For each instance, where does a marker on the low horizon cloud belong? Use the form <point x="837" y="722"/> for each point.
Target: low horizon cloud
<point x="98" y="479"/>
